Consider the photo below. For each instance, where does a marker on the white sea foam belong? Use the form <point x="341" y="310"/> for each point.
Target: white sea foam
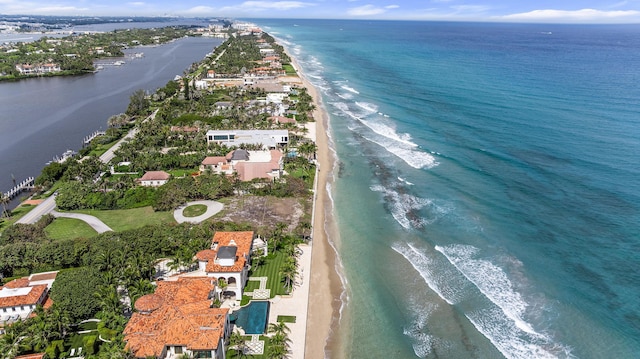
<point x="401" y="206"/>
<point x="350" y="89"/>
<point x="405" y="181"/>
<point x="503" y="324"/>
<point x="345" y="96"/>
<point x="422" y="342"/>
<point x="491" y="280"/>
<point x="413" y="157"/>
<point x="369" y="107"/>
<point x="444" y="281"/>
<point x="387" y="137"/>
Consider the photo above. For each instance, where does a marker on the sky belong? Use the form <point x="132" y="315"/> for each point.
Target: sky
<point x="542" y="11"/>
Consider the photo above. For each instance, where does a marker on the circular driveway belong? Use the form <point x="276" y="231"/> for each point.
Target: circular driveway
<point x="213" y="207"/>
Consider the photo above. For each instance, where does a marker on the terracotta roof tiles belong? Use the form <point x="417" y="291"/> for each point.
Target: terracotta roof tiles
<point x="184" y="318"/>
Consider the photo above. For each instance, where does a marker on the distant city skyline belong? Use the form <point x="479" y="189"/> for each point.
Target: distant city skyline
<point x="542" y="11"/>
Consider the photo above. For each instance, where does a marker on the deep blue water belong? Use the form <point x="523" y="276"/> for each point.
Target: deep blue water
<point x="488" y="188"/>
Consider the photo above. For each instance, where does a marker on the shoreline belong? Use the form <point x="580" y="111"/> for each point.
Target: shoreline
<point x="326" y="287"/>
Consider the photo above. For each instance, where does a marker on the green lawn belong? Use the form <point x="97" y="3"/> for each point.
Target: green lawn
<point x="194" y="210"/>
<point x="16" y="214"/>
<point x="182" y="172"/>
<point x="271" y="270"/>
<point x="124" y="219"/>
<point x="286" y="318"/>
<point x="66" y="228"/>
<point x="100" y="149"/>
<point x="289" y="70"/>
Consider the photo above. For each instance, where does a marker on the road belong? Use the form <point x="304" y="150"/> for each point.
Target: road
<point x="109" y="155"/>
<point x="35" y="214"/>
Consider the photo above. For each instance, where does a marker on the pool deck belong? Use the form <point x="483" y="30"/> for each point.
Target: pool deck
<point x="296" y="304"/>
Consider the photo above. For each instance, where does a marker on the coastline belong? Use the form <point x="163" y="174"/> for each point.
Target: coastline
<point x="325" y="284"/>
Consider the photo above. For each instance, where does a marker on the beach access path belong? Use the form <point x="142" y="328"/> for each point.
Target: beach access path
<point x="296" y="304"/>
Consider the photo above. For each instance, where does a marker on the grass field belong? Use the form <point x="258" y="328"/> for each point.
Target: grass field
<point x="289" y="70"/>
<point x="66" y="228"/>
<point x="16" y="214"/>
<point x="194" y="210"/>
<point x="124" y="219"/>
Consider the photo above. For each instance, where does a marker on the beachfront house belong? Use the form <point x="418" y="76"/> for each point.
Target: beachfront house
<point x="20" y="297"/>
<point x="267" y="164"/>
<point x="228" y="260"/>
<point x="269" y="139"/>
<point x="179" y="319"/>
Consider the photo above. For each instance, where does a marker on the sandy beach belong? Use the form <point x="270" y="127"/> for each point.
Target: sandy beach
<point x="325" y="287"/>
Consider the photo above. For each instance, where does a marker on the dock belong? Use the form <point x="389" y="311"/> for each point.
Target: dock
<point x="87" y="140"/>
<point x="24" y="185"/>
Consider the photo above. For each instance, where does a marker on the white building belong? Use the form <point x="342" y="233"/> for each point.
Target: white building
<point x="228" y="259"/>
<point x="154" y="178"/>
<point x="19" y="298"/>
<point x="267" y="138"/>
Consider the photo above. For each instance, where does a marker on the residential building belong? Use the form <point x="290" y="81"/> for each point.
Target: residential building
<point x="154" y="178"/>
<point x="20" y="297"/>
<point x="267" y="138"/>
<point x="266" y="164"/>
<point x="228" y="259"/>
<point x="179" y="318"/>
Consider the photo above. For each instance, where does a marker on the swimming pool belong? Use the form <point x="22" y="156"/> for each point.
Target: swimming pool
<point x="253" y="317"/>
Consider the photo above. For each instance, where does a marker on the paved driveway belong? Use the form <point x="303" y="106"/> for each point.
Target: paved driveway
<point x="94" y="222"/>
<point x="213" y="207"/>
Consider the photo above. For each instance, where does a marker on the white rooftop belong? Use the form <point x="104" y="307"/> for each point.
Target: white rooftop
<point x="14" y="292"/>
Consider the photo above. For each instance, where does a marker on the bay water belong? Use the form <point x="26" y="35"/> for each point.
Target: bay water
<point x="487" y="190"/>
<point x="42" y="117"/>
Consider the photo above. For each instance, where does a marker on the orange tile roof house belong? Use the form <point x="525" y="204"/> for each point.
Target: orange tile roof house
<point x="228" y="259"/>
<point x="19" y="298"/>
<point x="179" y="319"/>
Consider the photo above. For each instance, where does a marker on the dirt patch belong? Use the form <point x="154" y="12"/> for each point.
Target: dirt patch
<point x="265" y="212"/>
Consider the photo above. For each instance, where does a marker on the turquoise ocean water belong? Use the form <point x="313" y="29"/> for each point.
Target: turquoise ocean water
<point x="487" y="192"/>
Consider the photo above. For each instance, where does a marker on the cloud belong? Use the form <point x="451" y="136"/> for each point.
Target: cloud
<point x="275" y="5"/>
<point x="369" y="10"/>
<point x="586" y="15"/>
<point x="198" y="10"/>
<point x="136" y="3"/>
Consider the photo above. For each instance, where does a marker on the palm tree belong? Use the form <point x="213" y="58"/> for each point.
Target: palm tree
<point x="236" y="340"/>
<point x="279" y="328"/>
<point x="4" y="200"/>
<point x="278" y="347"/>
<point x="138" y="289"/>
<point x="288" y="273"/>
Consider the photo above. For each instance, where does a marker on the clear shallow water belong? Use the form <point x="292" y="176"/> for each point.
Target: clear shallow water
<point x="487" y="194"/>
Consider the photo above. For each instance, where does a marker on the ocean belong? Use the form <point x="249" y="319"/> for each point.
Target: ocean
<point x="487" y="189"/>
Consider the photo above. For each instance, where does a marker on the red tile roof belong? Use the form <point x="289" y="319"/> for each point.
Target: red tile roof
<point x="11" y="297"/>
<point x="31" y="356"/>
<point x="184" y="317"/>
<point x="208" y="161"/>
<point x="155" y="176"/>
<point x="242" y="240"/>
<point x="43" y="276"/>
